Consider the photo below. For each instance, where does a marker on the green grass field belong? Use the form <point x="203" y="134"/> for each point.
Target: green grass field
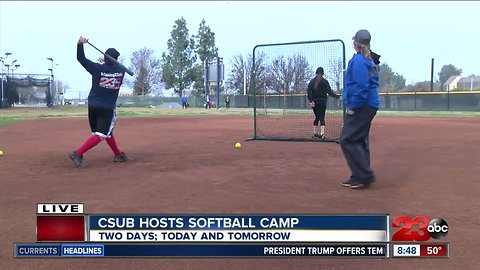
<point x="12" y="115"/>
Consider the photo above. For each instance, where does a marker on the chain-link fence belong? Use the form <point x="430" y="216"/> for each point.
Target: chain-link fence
<point x="173" y="102"/>
<point x="431" y="101"/>
<point x="404" y="101"/>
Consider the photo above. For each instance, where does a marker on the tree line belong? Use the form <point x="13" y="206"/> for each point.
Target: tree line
<point x="391" y="81"/>
<point x="181" y="68"/>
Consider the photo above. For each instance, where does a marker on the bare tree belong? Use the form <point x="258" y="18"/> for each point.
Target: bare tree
<point x="336" y="74"/>
<point x="261" y="74"/>
<point x="280" y="75"/>
<point x="288" y="75"/>
<point x="148" y="72"/>
<point x="240" y="77"/>
<point x="236" y="78"/>
<point x="301" y="74"/>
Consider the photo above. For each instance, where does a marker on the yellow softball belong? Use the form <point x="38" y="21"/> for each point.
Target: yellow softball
<point x="238" y="145"/>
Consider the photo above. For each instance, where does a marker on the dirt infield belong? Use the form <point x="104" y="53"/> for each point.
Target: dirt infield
<point x="185" y="165"/>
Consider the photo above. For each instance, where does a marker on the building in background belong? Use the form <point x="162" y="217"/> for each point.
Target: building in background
<point x="462" y="83"/>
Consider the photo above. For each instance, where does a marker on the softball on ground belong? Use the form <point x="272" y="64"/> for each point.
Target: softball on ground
<point x="1" y="153"/>
<point x="238" y="145"/>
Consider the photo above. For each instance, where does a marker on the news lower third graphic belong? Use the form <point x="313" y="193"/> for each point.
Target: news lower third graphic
<point x="64" y="230"/>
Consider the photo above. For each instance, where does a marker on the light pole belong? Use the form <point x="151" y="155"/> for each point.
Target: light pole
<point x="244" y="80"/>
<point x="13" y="69"/>
<point x="59" y="92"/>
<point x="52" y="92"/>
<point x="1" y="80"/>
<point x="8" y="67"/>
<point x="53" y="81"/>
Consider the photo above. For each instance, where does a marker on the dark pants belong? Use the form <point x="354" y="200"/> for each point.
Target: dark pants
<point x="355" y="144"/>
<point x="101" y="120"/>
<point x="319" y="111"/>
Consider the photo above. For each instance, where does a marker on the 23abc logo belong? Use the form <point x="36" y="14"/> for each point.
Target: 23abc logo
<point x="436" y="228"/>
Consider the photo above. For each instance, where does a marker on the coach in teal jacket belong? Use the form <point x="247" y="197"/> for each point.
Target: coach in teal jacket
<point x="360" y="96"/>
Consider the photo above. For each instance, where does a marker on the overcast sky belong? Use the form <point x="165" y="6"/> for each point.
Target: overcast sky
<point x="408" y="34"/>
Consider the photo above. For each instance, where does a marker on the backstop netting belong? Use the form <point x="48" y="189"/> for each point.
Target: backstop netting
<point x="281" y="73"/>
<point x="29" y="91"/>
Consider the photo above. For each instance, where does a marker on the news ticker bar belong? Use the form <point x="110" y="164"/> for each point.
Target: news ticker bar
<point x="106" y="250"/>
<point x="213" y="228"/>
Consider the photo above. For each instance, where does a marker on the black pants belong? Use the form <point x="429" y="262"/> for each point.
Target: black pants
<point x="355" y="143"/>
<point x="102" y="121"/>
<point x="319" y="111"/>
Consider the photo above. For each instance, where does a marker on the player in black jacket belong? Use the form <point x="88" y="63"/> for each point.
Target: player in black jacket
<point x="107" y="79"/>
<point x="317" y="91"/>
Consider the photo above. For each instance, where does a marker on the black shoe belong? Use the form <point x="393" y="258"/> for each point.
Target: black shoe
<point x="76" y="158"/>
<point x="315" y="135"/>
<point x="359" y="185"/>
<point x="346" y="183"/>
<point x="122" y="158"/>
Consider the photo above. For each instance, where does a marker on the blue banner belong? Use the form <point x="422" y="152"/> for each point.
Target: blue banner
<point x="238" y="222"/>
<point x="370" y="250"/>
<point x="211" y="250"/>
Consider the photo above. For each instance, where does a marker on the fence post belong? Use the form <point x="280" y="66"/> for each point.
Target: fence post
<point x="448" y="101"/>
<point x="415" y="101"/>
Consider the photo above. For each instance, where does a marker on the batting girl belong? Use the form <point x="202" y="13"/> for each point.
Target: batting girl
<point x="360" y="96"/>
<point x="317" y="91"/>
<point x="106" y="81"/>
